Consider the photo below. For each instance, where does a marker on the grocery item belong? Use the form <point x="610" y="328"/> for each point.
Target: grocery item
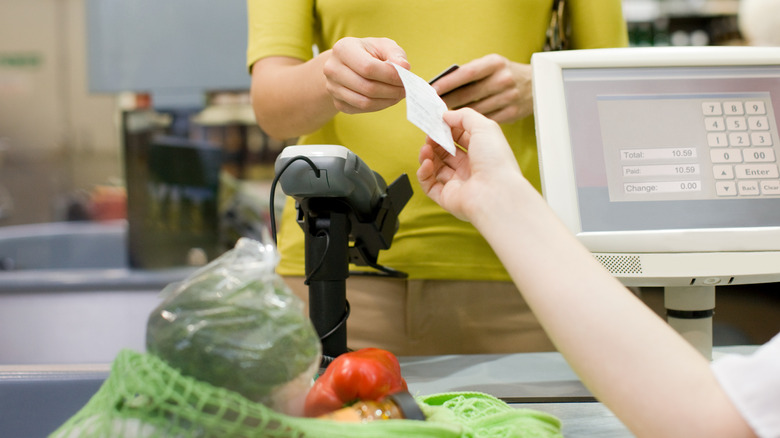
<point x="397" y="406"/>
<point x="368" y="374"/>
<point x="236" y="325"/>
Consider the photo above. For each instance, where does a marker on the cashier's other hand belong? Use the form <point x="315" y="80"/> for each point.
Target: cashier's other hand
<point x="492" y="85"/>
<point x="358" y="78"/>
<point x="460" y="183"/>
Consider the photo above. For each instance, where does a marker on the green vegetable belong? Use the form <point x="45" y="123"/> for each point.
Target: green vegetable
<point x="246" y="336"/>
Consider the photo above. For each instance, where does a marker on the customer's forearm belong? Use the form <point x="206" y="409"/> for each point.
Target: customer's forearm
<point x="627" y="356"/>
<point x="289" y="97"/>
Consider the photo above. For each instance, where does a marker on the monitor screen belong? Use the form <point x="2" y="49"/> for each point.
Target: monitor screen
<point x="675" y="147"/>
<point x="663" y="151"/>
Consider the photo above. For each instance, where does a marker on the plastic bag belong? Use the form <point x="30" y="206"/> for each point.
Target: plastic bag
<point x="236" y="325"/>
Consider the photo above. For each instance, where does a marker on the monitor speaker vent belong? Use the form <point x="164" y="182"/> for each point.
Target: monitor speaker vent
<point x="621" y="264"/>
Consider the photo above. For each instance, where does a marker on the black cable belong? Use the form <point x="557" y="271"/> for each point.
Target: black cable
<point x="276" y="180"/>
<point x="384" y="271"/>
<point x="322" y="259"/>
<point x="339" y="324"/>
<point x="326" y="360"/>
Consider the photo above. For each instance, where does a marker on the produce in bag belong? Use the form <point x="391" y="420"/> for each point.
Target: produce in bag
<point x="235" y="324"/>
<point x="366" y="374"/>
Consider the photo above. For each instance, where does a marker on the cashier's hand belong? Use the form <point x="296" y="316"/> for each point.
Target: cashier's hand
<point x="492" y="85"/>
<point x="460" y="183"/>
<point x="358" y="78"/>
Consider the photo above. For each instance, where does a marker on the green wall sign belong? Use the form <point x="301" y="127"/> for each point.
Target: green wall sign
<point x="20" y="60"/>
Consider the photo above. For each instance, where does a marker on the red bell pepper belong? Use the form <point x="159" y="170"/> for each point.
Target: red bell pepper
<point x="365" y="374"/>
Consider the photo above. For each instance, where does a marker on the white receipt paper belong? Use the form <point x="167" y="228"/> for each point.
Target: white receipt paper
<point x="424" y="108"/>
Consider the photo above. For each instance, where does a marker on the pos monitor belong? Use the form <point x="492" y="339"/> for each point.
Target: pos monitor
<point x="664" y="163"/>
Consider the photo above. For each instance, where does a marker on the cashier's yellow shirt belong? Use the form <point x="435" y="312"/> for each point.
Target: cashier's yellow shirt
<point x="430" y="243"/>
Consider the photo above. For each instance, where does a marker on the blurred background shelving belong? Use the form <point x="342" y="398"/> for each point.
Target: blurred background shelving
<point x="682" y="22"/>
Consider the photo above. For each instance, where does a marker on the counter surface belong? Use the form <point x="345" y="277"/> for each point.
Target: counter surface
<point x="540" y="381"/>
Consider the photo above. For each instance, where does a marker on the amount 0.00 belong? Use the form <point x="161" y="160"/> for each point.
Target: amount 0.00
<point x="661" y="187"/>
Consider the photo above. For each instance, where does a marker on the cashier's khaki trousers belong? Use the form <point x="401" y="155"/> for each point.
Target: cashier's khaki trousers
<point x="433" y="317"/>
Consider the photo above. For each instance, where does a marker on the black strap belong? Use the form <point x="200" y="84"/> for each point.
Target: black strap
<point x="690" y="314"/>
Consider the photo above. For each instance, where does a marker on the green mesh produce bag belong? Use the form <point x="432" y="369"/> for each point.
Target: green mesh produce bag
<point x="144" y="397"/>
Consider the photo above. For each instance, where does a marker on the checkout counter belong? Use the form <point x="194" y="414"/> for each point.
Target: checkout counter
<point x="35" y="400"/>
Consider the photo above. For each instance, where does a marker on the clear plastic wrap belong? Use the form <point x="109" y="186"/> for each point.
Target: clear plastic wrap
<point x="236" y="325"/>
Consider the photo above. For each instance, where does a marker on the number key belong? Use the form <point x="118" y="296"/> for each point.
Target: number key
<point x="726" y="155"/>
<point x="717" y="139"/>
<point x="736" y="124"/>
<point x="761" y="139"/>
<point x="758" y="123"/>
<point x="714" y="124"/>
<point x="756" y="107"/>
<point x="733" y="108"/>
<point x="711" y="109"/>
<point x="760" y="155"/>
<point x="739" y="139"/>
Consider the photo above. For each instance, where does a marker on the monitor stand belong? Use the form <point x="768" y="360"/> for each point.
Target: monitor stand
<point x="689" y="310"/>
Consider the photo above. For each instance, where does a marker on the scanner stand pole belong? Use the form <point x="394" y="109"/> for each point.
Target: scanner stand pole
<point x="327" y="269"/>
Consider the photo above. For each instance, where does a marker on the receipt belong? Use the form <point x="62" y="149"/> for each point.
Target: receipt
<point x="424" y="108"/>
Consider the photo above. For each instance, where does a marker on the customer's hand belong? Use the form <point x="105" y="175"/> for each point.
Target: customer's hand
<point x="358" y="78"/>
<point x="460" y="184"/>
<point x="492" y="85"/>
